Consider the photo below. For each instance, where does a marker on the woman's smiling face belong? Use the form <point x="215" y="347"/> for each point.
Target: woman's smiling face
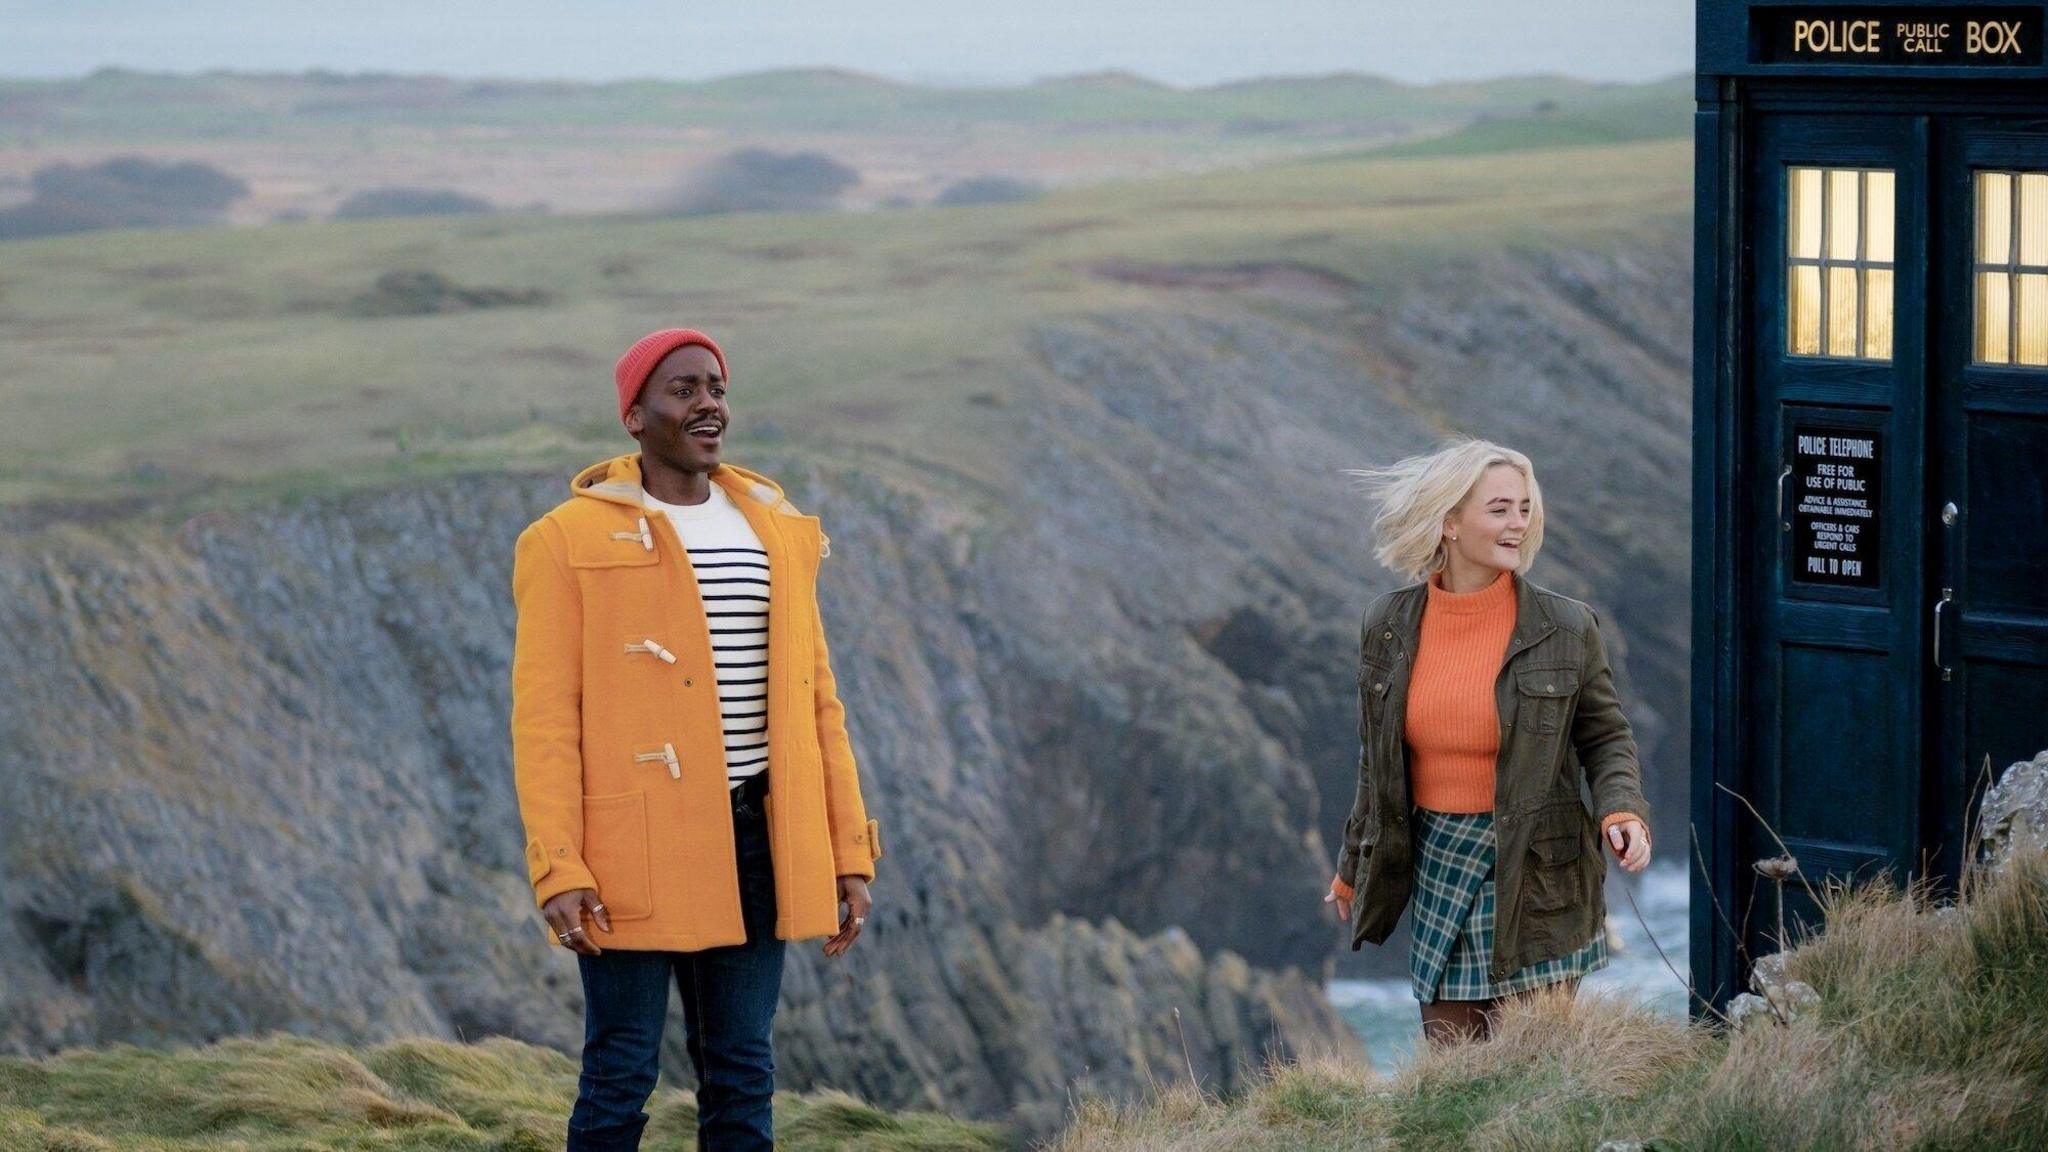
<point x="1487" y="529"/>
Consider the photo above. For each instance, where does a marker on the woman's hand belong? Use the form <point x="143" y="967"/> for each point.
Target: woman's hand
<point x="1631" y="844"/>
<point x="564" y="913"/>
<point x="1340" y="901"/>
<point x="853" y="892"/>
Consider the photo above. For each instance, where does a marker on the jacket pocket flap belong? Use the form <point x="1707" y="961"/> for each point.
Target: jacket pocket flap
<point x="1548" y="681"/>
<point x="1556" y="849"/>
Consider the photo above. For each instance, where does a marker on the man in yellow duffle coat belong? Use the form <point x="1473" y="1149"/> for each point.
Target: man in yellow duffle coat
<point x="688" y="790"/>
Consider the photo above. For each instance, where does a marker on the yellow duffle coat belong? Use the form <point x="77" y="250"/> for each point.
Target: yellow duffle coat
<point x="618" y="754"/>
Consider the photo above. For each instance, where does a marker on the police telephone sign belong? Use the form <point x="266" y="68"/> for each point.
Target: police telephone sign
<point x="1836" y="475"/>
<point x="1973" y="36"/>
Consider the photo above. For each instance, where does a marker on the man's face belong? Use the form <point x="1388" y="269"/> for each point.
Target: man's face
<point x="681" y="415"/>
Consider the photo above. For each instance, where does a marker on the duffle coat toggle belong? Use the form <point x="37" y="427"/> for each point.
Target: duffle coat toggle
<point x="646" y="538"/>
<point x="667" y="755"/>
<point x="653" y="649"/>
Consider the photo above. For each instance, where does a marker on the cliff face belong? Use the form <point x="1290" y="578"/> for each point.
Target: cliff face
<point x="256" y="764"/>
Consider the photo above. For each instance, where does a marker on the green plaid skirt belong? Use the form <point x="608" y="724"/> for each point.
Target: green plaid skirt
<point x="1453" y="916"/>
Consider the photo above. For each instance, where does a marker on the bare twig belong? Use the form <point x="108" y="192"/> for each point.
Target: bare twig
<point x="1196" y="1084"/>
<point x="1810" y="893"/>
<point x="1652" y="938"/>
<point x="1741" y="946"/>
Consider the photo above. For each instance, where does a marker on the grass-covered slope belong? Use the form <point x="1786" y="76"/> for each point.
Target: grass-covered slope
<point x="283" y="1092"/>
<point x="1932" y="1033"/>
<point x="170" y="361"/>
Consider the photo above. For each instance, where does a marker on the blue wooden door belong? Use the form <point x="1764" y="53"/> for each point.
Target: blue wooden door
<point x="1835" y="588"/>
<point x="1988" y="470"/>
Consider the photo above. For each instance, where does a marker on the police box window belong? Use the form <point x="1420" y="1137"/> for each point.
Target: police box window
<point x="2012" y="268"/>
<point x="1838" y="262"/>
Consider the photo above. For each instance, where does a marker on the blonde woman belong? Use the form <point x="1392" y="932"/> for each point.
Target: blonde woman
<point x="1483" y="702"/>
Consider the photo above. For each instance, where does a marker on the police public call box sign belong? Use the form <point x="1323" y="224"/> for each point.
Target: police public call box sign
<point x="1836" y="524"/>
<point x="1994" y="36"/>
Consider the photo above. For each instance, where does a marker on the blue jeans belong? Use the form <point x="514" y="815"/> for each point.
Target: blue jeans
<point x="729" y="997"/>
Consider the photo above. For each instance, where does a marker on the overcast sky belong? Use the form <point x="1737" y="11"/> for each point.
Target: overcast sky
<point x="970" y="41"/>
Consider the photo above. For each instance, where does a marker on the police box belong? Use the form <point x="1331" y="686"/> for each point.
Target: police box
<point x="1870" y="503"/>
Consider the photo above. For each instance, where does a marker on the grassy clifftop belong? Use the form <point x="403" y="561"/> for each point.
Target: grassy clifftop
<point x="1932" y="1033"/>
<point x="178" y="360"/>
<point x="283" y="1092"/>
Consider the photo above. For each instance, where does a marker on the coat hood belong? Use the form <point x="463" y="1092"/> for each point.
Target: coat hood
<point x="617" y="481"/>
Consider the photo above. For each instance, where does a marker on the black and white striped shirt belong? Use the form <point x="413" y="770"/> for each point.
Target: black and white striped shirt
<point x="732" y="577"/>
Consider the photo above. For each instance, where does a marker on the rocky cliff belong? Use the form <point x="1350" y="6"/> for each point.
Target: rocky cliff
<point x="255" y="763"/>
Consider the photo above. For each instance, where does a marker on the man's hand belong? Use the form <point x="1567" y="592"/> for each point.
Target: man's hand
<point x="1631" y="843"/>
<point x="564" y="913"/>
<point x="853" y="892"/>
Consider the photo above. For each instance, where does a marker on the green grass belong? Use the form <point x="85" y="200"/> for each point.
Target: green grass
<point x="1933" y="1033"/>
<point x="191" y="363"/>
<point x="1655" y="113"/>
<point x="282" y="1093"/>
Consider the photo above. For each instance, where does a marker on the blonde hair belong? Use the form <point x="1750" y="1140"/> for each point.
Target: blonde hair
<point x="1416" y="494"/>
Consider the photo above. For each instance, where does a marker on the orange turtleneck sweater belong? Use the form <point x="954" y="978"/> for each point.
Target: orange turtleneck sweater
<point x="1452" y="723"/>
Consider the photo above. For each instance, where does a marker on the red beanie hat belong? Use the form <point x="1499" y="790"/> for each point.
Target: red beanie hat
<point x="646" y="352"/>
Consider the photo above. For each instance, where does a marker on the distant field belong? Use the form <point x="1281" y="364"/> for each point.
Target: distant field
<point x="305" y="142"/>
<point x="171" y="362"/>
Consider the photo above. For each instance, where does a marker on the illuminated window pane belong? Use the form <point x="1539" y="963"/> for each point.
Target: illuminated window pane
<point x="2034" y="218"/>
<point x="1877" y="217"/>
<point x="1994" y="317"/>
<point x="1805" y="310"/>
<point x="1842" y="213"/>
<point x="2011" y="325"/>
<point x="1839" y="253"/>
<point x="1994" y="217"/>
<point x="1805" y="214"/>
<point x="1841" y="311"/>
<point x="2033" y="318"/>
<point x="1877" y="313"/>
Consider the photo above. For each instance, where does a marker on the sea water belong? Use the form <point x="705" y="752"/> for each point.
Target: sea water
<point x="1384" y="1012"/>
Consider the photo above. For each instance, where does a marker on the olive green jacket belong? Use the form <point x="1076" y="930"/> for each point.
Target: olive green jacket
<point x="1560" y="722"/>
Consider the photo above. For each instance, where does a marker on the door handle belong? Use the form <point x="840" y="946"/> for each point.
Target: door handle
<point x="1947" y="595"/>
<point x="1782" y="477"/>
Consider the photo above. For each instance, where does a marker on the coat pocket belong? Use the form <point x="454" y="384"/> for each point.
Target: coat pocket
<point x="1553" y="879"/>
<point x="615" y="849"/>
<point x="1546" y="698"/>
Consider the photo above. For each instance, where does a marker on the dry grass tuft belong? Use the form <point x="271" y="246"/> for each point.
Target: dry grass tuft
<point x="1932" y="1033"/>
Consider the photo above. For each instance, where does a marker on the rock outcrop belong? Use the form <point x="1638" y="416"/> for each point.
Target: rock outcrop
<point x="2013" y="819"/>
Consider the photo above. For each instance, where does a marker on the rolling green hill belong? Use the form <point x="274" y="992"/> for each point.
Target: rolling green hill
<point x="166" y="362"/>
<point x="137" y="107"/>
